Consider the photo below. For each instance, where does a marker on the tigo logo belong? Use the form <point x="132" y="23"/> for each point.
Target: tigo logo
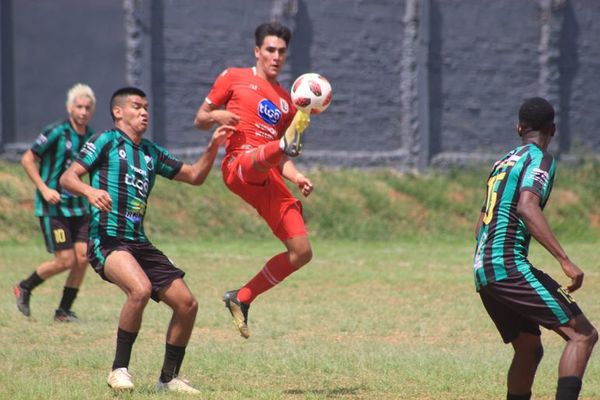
<point x="269" y="112"/>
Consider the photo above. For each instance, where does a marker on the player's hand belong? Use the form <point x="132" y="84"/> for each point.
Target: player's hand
<point x="304" y="184"/>
<point x="221" y="134"/>
<point x="51" y="196"/>
<point x="100" y="199"/>
<point x="224" y="117"/>
<point x="573" y="272"/>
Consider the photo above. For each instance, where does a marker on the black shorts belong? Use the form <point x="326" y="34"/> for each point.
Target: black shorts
<point x="60" y="233"/>
<point x="158" y="268"/>
<point x="523" y="302"/>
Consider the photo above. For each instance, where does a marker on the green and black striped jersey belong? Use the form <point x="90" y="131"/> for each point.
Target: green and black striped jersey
<point x="127" y="171"/>
<point x="56" y="147"/>
<point x="503" y="240"/>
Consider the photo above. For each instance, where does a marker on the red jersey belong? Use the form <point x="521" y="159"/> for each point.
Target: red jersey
<point x="265" y="108"/>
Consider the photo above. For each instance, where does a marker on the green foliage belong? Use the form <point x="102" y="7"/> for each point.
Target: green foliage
<point x="346" y="204"/>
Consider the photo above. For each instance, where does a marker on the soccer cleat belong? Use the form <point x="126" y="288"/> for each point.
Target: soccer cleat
<point x="22" y="296"/>
<point x="239" y="312"/>
<point x="178" y="385"/>
<point x="120" y="379"/>
<point x="61" y="315"/>
<point x="291" y="141"/>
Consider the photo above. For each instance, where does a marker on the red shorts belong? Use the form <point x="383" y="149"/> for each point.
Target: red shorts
<point x="270" y="197"/>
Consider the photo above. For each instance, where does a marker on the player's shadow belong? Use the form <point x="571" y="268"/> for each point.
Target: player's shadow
<point x="328" y="393"/>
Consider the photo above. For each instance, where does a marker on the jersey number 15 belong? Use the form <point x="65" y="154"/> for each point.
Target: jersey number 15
<point x="492" y="196"/>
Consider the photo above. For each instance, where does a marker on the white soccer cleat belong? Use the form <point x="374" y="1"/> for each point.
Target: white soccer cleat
<point x="177" y="385"/>
<point x="120" y="379"/>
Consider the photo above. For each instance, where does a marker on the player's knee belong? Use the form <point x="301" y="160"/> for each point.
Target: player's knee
<point x="307" y="255"/>
<point x="64" y="262"/>
<point x="191" y="307"/>
<point x="590" y="339"/>
<point x="301" y="257"/>
<point x="530" y="353"/>
<point x="140" y="295"/>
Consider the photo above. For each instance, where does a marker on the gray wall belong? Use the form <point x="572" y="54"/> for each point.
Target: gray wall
<point x="56" y="44"/>
<point x="416" y="82"/>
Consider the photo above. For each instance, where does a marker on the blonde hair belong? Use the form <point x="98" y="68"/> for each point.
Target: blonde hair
<point x="78" y="90"/>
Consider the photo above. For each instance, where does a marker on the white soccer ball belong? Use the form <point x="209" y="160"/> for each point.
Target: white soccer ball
<point x="311" y="93"/>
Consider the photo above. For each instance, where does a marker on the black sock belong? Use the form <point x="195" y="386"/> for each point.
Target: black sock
<point x="568" y="388"/>
<point x="173" y="360"/>
<point x="518" y="396"/>
<point x="125" y="342"/>
<point x="69" y="295"/>
<point x="31" y="282"/>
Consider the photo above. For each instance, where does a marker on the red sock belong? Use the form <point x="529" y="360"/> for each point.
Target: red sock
<point x="275" y="270"/>
<point x="256" y="164"/>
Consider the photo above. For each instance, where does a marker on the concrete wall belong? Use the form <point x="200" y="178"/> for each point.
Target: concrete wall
<point x="416" y="82"/>
<point x="55" y="45"/>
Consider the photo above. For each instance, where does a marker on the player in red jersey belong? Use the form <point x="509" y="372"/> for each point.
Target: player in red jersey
<point x="268" y="132"/>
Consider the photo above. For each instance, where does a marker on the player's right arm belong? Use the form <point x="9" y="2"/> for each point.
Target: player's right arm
<point x="29" y="163"/>
<point x="71" y="180"/>
<point x="209" y="114"/>
<point x="530" y="211"/>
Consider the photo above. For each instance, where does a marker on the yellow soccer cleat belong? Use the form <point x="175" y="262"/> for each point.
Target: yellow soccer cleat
<point x="291" y="141"/>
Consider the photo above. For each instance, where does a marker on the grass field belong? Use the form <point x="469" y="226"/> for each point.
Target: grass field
<point x="386" y="309"/>
<point x="365" y="320"/>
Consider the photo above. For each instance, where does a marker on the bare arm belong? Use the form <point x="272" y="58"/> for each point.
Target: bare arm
<point x="195" y="174"/>
<point x="529" y="209"/>
<point x="207" y="115"/>
<point x="29" y="163"/>
<point x="289" y="172"/>
<point x="71" y="180"/>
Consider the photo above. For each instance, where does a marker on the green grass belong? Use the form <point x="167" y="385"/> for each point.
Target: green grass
<point x="365" y="320"/>
<point x="347" y="204"/>
<point x="386" y="309"/>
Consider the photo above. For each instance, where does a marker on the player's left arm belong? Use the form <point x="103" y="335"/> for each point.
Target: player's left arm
<point x="530" y="211"/>
<point x="195" y="174"/>
<point x="289" y="172"/>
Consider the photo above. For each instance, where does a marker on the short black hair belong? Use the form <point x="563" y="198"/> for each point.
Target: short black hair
<point x="124" y="92"/>
<point x="272" y="29"/>
<point x="536" y="114"/>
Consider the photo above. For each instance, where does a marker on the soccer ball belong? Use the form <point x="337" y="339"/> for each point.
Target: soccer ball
<point x="311" y="93"/>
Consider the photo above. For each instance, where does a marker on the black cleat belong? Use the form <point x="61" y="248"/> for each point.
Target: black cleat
<point x="239" y="312"/>
<point x="22" y="296"/>
<point x="61" y="315"/>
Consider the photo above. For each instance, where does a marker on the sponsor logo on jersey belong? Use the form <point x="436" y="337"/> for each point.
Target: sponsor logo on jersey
<point x="41" y="140"/>
<point x="140" y="184"/>
<point x="122" y="154"/>
<point x="68" y="145"/>
<point x="88" y="149"/>
<point x="509" y="161"/>
<point x="149" y="162"/>
<point x="138" y="170"/>
<point x="284" y="106"/>
<point x="136" y="211"/>
<point x="253" y="87"/>
<point x="265" y="131"/>
<point x="540" y="176"/>
<point x="478" y="262"/>
<point x="269" y="112"/>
